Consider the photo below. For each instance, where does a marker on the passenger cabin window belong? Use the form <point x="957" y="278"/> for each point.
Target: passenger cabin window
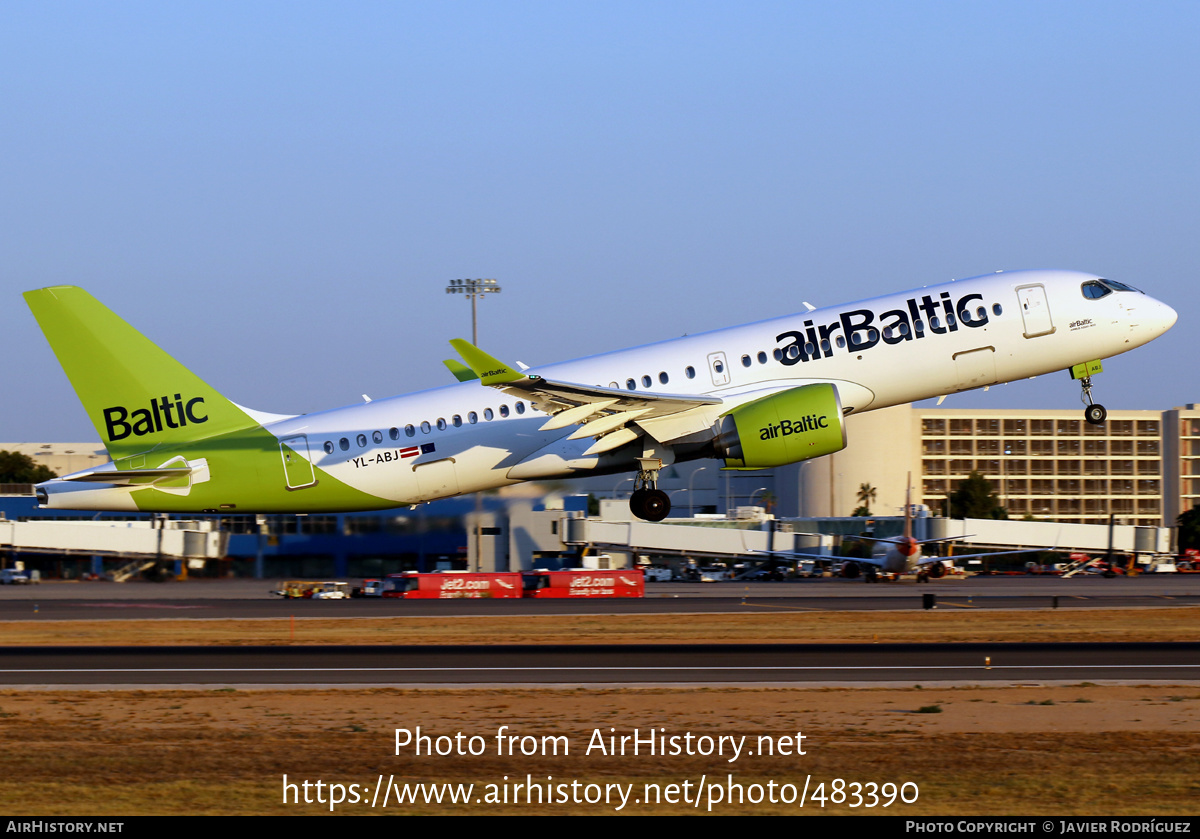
<point x="663" y="378"/>
<point x="377" y="436"/>
<point x="630" y="384"/>
<point x="503" y="410"/>
<point x="690" y="372"/>
<point x="425" y="427"/>
<point x="362" y="441"/>
<point x="328" y="447"/>
<point x="762" y="358"/>
<point x="409" y="431"/>
<point x="487" y="414"/>
<point x="646" y="381"/>
<point x="394" y="433"/>
<point x="746" y="362"/>
<point x="457" y="420"/>
<point x="472" y="417"/>
<point x="520" y="407"/>
<point x="441" y="424"/>
<point x="344" y="444"/>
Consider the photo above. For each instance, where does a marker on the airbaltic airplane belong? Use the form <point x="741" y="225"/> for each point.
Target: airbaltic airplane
<point x="755" y="396"/>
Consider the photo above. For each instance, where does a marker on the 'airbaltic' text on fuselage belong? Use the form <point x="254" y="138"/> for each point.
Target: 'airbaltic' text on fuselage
<point x="895" y="325"/>
<point x="120" y="423"/>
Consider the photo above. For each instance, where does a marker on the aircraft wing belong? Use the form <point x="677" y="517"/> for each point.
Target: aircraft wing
<point x="600" y="412"/>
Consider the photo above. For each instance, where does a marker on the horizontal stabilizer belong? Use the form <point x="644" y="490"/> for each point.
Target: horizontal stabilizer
<point x="128" y="477"/>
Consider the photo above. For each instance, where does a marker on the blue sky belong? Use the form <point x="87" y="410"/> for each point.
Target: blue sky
<point x="278" y="193"/>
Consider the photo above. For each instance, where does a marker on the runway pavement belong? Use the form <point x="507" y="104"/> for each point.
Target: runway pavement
<point x="792" y="664"/>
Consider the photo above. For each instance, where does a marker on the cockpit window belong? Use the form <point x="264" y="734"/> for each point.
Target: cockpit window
<point x="1095" y="289"/>
<point x="1117" y="286"/>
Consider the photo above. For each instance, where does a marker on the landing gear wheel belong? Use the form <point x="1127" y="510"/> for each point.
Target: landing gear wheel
<point x="637" y="502"/>
<point x="1093" y="413"/>
<point x="922" y="577"/>
<point x="655" y="505"/>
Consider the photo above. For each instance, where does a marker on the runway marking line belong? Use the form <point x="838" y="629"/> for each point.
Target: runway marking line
<point x="700" y="667"/>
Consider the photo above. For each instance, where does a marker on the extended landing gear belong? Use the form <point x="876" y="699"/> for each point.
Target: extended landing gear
<point x="648" y="501"/>
<point x="1093" y="413"/>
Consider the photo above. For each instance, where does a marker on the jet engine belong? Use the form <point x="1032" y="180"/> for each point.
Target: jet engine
<point x="797" y="424"/>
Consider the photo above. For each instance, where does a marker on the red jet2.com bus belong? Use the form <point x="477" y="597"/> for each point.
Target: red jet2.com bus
<point x="450" y="584"/>
<point x="623" y="583"/>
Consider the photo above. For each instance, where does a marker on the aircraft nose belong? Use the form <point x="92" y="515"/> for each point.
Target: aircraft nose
<point x="1161" y="317"/>
<point x="1164" y="316"/>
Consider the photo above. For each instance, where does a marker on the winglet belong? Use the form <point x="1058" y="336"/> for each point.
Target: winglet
<point x="461" y="371"/>
<point x="489" y="370"/>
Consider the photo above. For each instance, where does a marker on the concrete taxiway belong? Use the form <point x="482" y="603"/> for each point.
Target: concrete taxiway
<point x="220" y="599"/>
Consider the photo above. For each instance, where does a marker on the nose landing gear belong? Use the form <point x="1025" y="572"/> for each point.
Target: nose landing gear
<point x="1093" y="413"/>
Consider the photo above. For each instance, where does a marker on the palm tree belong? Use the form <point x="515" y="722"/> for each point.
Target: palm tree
<point x="866" y="496"/>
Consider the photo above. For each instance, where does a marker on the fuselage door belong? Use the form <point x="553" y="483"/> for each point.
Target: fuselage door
<point x="719" y="368"/>
<point x="436" y="479"/>
<point x="1035" y="310"/>
<point x="297" y="468"/>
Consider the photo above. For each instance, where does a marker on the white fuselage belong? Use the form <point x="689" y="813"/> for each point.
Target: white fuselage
<point x="879" y="352"/>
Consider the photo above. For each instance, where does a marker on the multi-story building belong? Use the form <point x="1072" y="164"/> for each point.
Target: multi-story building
<point x="1141" y="466"/>
<point x="1181" y="460"/>
<point x="1047" y="464"/>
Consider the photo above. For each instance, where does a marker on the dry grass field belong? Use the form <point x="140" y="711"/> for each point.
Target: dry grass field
<point x="768" y="627"/>
<point x="1081" y="749"/>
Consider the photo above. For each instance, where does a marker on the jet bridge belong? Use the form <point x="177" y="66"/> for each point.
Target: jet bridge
<point x="689" y="539"/>
<point x="131" y="539"/>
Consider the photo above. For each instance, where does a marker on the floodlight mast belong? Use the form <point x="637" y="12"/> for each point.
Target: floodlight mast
<point x="474" y="289"/>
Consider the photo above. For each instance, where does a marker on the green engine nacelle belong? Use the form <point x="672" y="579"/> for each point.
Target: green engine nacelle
<point x="782" y="428"/>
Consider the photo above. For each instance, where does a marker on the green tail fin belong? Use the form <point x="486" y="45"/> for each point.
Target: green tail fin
<point x="136" y="395"/>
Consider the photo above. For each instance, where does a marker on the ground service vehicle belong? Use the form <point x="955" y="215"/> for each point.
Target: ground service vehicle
<point x="629" y="582"/>
<point x="314" y="590"/>
<point x="444" y="585"/>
